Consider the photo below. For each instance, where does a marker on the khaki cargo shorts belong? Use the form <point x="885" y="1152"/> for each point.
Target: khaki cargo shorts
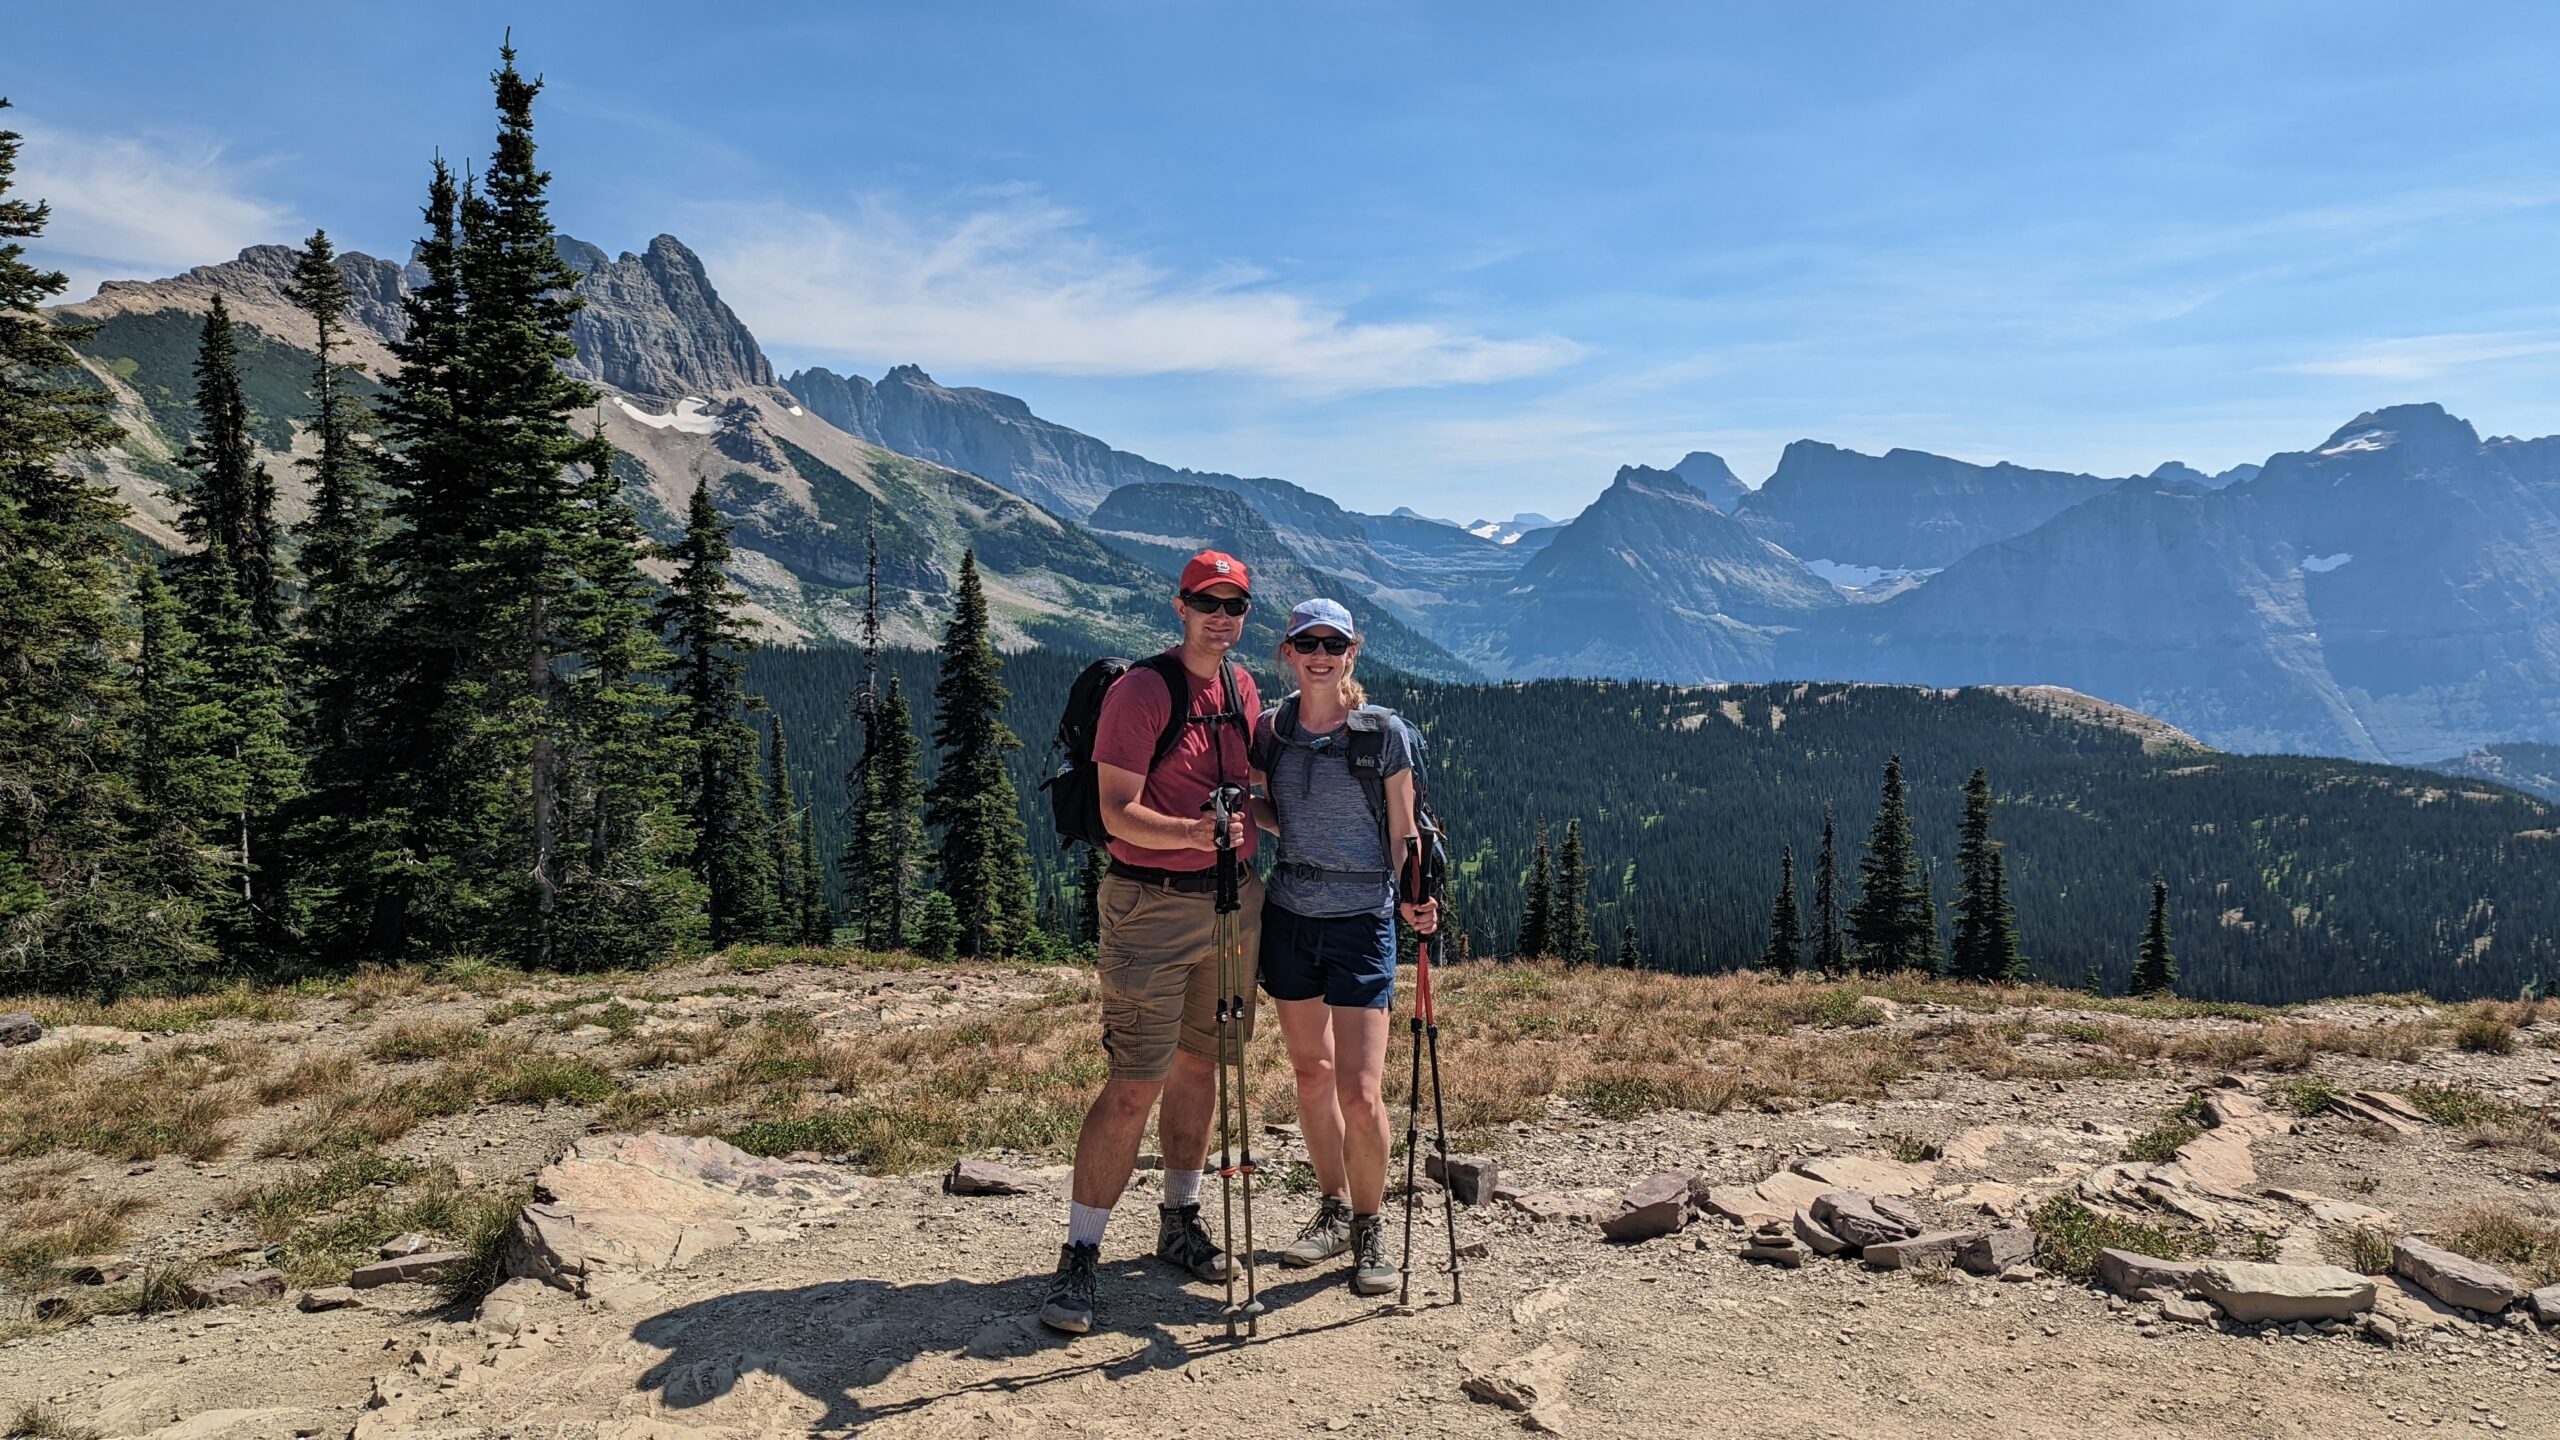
<point x="1159" y="979"/>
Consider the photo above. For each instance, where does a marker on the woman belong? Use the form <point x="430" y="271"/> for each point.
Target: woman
<point x="1328" y="928"/>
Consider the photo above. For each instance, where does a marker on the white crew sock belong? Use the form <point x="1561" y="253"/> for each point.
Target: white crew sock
<point x="1181" y="1187"/>
<point x="1085" y="1223"/>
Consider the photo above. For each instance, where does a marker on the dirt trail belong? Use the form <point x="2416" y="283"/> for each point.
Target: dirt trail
<point x="905" y="1311"/>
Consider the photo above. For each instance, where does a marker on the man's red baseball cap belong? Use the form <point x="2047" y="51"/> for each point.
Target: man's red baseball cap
<point x="1214" y="567"/>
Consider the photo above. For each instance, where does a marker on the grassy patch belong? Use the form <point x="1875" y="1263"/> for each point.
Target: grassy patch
<point x="72" y="1097"/>
<point x="2368" y="1251"/>
<point x="408" y="1040"/>
<point x="2485" y="1035"/>
<point x="2159" y="1145"/>
<point x="547" y="1079"/>
<point x="2304" y="1094"/>
<point x="55" y="1225"/>
<point x="176" y="1014"/>
<point x="480" y="1226"/>
<point x="35" y="1422"/>
<point x="2069" y="1236"/>
<point x="2459" y="1105"/>
<point x="2525" y="1244"/>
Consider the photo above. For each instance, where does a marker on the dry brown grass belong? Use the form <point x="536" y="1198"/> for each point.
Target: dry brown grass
<point x="162" y="1014"/>
<point x="311" y="1074"/>
<point x="2525" y="1242"/>
<point x="47" y="1217"/>
<point x="176" y="1098"/>
<point x="406" y="1040"/>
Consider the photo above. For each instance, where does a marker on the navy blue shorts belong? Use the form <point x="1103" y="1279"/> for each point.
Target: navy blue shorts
<point x="1350" y="960"/>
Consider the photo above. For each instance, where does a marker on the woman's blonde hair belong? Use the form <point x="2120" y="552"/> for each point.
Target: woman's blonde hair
<point x="1352" y="694"/>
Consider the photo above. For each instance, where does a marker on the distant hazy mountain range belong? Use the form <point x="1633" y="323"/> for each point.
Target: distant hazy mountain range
<point x="2390" y="593"/>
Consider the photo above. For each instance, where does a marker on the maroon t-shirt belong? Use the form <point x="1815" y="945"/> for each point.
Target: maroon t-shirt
<point x="1133" y="716"/>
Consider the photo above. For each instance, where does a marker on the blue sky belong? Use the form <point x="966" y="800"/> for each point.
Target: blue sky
<point x="1465" y="257"/>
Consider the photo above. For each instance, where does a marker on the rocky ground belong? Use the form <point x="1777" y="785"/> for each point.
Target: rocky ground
<point x="671" y="1286"/>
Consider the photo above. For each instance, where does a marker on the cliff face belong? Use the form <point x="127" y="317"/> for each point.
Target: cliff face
<point x="654" y="326"/>
<point x="1903" y="510"/>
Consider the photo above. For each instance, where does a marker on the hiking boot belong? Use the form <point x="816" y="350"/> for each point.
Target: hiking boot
<point x="1327" y="1235"/>
<point x="1370" y="1272"/>
<point x="1182" y="1242"/>
<point x="1070" y="1305"/>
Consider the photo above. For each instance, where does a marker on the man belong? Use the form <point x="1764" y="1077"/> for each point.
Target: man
<point x="1159" y="980"/>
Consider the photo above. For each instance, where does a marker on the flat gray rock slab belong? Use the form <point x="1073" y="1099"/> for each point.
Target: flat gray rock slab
<point x="1471" y="1179"/>
<point x="19" y="1028"/>
<point x="329" y="1297"/>
<point x="2546" y="1304"/>
<point x="2183" y="1311"/>
<point x="1862" y="1220"/>
<point x="1993" y="1251"/>
<point x="1815" y="1237"/>
<point x="2250" y="1292"/>
<point x="430" y="1265"/>
<point x="2454" y="1279"/>
<point x="1657" y="1205"/>
<point x="1931" y="1247"/>
<point x="235" y="1287"/>
<point x="986" y="1177"/>
<point x="2144" y="1277"/>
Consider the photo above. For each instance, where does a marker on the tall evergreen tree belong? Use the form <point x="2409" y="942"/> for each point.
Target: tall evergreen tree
<point x="1089" y="900"/>
<point x="2005" y="953"/>
<point x="1974" y="955"/>
<point x="1932" y="958"/>
<point x="700" y="613"/>
<point x="1786" y="927"/>
<point x="234" y="606"/>
<point x="1830" y="954"/>
<point x="1571" y="935"/>
<point x="1629" y="956"/>
<point x="2156" y="971"/>
<point x="1884" y="928"/>
<point x="74" y="910"/>
<point x="983" y="865"/>
<point x="186" y="789"/>
<point x="782" y="836"/>
<point x="880" y="862"/>
<point x="817" y="922"/>
<point x="1537" y="912"/>
<point x="342" y="595"/>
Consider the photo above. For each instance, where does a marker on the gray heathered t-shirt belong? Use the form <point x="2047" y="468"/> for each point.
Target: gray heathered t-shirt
<point x="1325" y="821"/>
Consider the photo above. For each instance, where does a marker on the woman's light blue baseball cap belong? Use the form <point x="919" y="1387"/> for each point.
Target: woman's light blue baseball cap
<point x="1312" y="613"/>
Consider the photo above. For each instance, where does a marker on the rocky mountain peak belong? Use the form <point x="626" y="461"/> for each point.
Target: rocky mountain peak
<point x="2428" y="426"/>
<point x="653" y="324"/>
<point x="254" y="283"/>
<point x="908" y="375"/>
<point x="1712" y="478"/>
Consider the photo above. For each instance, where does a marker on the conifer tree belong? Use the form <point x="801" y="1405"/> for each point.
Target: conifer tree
<point x="880" y="861"/>
<point x="700" y="614"/>
<point x="1975" y="954"/>
<point x="1786" y="927"/>
<point x="2156" y="971"/>
<point x="2091" y="982"/>
<point x="234" y="607"/>
<point x="782" y="835"/>
<point x="1884" y="930"/>
<point x="1571" y="935"/>
<point x="1089" y="900"/>
<point x="984" y="868"/>
<point x="2005" y="953"/>
<point x="342" y="596"/>
<point x="183" y="786"/>
<point x="1629" y="956"/>
<point x="1537" y="912"/>
<point x="73" y="913"/>
<point x="1829" y="951"/>
<point x="1931" y="959"/>
<point x="817" y="922"/>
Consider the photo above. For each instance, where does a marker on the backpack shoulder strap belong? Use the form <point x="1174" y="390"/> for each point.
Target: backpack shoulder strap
<point x="1282" y="715"/>
<point x="1177" y="691"/>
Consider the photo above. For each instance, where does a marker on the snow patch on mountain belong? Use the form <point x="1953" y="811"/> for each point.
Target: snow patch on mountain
<point x="1859" y="577"/>
<point x="2368" y="440"/>
<point x="686" y="418"/>
<point x="2323" y="564"/>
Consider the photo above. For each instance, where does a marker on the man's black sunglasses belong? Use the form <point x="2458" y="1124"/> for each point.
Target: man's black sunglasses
<point x="1211" y="604"/>
<point x="1307" y="644"/>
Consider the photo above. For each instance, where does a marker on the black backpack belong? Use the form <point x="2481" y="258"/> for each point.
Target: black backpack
<point x="1365" y="748"/>
<point x="1075" y="791"/>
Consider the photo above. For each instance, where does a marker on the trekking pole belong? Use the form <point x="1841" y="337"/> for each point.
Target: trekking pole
<point x="1420" y="884"/>
<point x="1235" y="1129"/>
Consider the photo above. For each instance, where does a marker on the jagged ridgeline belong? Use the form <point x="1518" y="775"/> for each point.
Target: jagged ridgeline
<point x="2288" y="877"/>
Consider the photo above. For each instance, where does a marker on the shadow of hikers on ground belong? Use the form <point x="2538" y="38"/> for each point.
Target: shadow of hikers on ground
<point x="847" y="1344"/>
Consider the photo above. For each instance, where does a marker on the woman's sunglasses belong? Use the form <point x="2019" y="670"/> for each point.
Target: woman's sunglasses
<point x="1331" y="644"/>
<point x="1211" y="604"/>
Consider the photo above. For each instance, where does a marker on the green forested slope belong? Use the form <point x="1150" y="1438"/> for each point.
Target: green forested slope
<point x="2289" y="877"/>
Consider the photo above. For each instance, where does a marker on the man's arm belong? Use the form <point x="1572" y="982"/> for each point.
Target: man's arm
<point x="1128" y="819"/>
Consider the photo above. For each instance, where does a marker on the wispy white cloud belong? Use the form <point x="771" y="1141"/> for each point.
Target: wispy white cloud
<point x="2424" y="357"/>
<point x="127" y="205"/>
<point x="1018" y="284"/>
